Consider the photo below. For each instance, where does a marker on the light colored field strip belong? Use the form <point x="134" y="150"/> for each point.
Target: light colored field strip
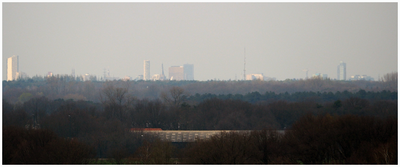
<point x="192" y="135"/>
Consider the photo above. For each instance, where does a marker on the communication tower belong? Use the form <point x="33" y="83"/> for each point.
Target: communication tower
<point x="162" y="67"/>
<point x="104" y="74"/>
<point x="244" y="69"/>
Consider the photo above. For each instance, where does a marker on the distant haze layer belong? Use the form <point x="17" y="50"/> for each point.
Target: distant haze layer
<point x="280" y="40"/>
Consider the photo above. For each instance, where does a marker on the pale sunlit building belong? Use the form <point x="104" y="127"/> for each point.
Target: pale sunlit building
<point x="126" y="78"/>
<point x="361" y="77"/>
<point x="12" y="67"/>
<point x="49" y="74"/>
<point x="89" y="77"/>
<point x="176" y="73"/>
<point x="255" y="77"/>
<point x="156" y="77"/>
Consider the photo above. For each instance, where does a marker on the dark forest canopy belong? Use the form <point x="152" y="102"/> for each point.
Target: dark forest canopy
<point x="210" y="114"/>
<point x="255" y="97"/>
<point x="103" y="126"/>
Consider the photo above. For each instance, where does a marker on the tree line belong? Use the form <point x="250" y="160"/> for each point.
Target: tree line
<point x="254" y="97"/>
<point x="313" y="139"/>
<point x="172" y="112"/>
<point x="68" y="87"/>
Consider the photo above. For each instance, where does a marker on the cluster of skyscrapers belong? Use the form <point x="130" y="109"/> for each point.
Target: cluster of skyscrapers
<point x="178" y="73"/>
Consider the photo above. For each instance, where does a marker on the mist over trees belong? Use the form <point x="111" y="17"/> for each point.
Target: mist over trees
<point x="332" y="122"/>
<point x="67" y="87"/>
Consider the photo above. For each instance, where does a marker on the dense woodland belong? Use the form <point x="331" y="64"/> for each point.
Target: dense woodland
<point x="325" y="125"/>
<point x="346" y="139"/>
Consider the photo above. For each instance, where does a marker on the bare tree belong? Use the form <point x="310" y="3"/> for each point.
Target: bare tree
<point x="155" y="152"/>
<point x="37" y="108"/>
<point x="390" y="79"/>
<point x="115" y="100"/>
<point x="175" y="96"/>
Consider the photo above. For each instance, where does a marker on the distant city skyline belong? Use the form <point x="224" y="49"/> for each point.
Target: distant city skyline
<point x="281" y="39"/>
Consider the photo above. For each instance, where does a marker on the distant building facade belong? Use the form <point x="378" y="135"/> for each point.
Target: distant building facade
<point x="89" y="77"/>
<point x="139" y="77"/>
<point x="126" y="78"/>
<point x="255" y="77"/>
<point x="156" y="77"/>
<point x="361" y="77"/>
<point x="269" y="78"/>
<point x="319" y="75"/>
<point x="22" y="75"/>
<point x="49" y="74"/>
<point x="176" y="73"/>
<point x="341" y="71"/>
<point x="261" y="77"/>
<point x="12" y="68"/>
<point x="146" y="66"/>
<point x="188" y="72"/>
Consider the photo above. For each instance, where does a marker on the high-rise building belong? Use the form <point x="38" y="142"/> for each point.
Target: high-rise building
<point x="188" y="73"/>
<point x="12" y="67"/>
<point x="176" y="73"/>
<point x="146" y="74"/>
<point x="341" y="71"/>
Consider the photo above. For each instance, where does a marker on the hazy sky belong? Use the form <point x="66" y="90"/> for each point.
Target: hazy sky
<point x="281" y="39"/>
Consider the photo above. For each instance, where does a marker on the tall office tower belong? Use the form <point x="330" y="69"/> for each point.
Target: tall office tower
<point x="146" y="74"/>
<point x="341" y="71"/>
<point x="73" y="73"/>
<point x="188" y="72"/>
<point x="176" y="73"/>
<point x="12" y="67"/>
